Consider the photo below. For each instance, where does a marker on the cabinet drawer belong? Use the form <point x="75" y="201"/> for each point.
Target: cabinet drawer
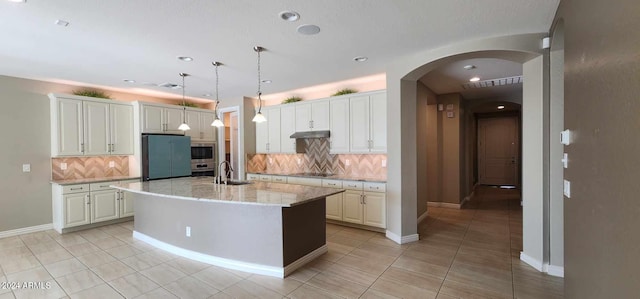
<point x="375" y="187"/>
<point x="253" y="177"/>
<point x="68" y="189"/>
<point x="101" y="186"/>
<point x="279" y="179"/>
<point x="332" y="183"/>
<point x="265" y="178"/>
<point x="305" y="181"/>
<point x="352" y="185"/>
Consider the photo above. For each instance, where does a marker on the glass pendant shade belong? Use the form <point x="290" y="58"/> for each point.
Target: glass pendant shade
<point x="184" y="127"/>
<point x="217" y="122"/>
<point x="259" y="118"/>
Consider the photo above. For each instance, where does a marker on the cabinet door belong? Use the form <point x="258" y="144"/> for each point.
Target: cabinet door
<point x="207" y="131"/>
<point x="352" y="207"/>
<point x="334" y="207"/>
<point x="173" y="119"/>
<point x="262" y="136"/>
<point x="121" y="128"/>
<point x="152" y="119"/>
<point x="287" y="128"/>
<point x="378" y="122"/>
<point x="70" y="127"/>
<point x="273" y="124"/>
<point x="76" y="209"/>
<point x="303" y="117"/>
<point x="126" y="204"/>
<point x="339" y="126"/>
<point x="359" y="132"/>
<point x="375" y="209"/>
<point x="193" y="120"/>
<point x="96" y="128"/>
<point x="320" y="115"/>
<point x="104" y="206"/>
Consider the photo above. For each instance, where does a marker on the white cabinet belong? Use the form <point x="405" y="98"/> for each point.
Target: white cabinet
<point x="253" y="177"/>
<point x="161" y="119"/>
<point x="339" y="125"/>
<point x="126" y="201"/>
<point x="352" y="206"/>
<point x="368" y="123"/>
<point x="87" y="126"/>
<point x="374" y="213"/>
<point x="287" y="128"/>
<point x="334" y="202"/>
<point x="200" y="124"/>
<point x="365" y="204"/>
<point x="312" y="116"/>
<point x="268" y="132"/>
<point x="75" y="207"/>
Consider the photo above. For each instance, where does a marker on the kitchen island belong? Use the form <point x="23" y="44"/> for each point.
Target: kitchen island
<point x="263" y="228"/>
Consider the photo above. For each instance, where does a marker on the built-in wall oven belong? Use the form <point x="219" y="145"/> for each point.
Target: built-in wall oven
<point x="203" y="158"/>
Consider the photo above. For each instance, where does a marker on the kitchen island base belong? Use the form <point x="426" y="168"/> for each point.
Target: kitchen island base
<point x="261" y="239"/>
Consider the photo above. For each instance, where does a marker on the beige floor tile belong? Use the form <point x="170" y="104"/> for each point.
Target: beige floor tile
<point x="337" y="285"/>
<point x="158" y="293"/>
<point x="31" y="275"/>
<point x="412" y="264"/>
<point x="67" y="240"/>
<point x="189" y="287"/>
<point x="163" y="274"/>
<point x="112" y="270"/>
<point x="402" y="290"/>
<point x="156" y="255"/>
<point x="133" y="285"/>
<point x="10" y="242"/>
<point x="221" y="295"/>
<point x="363" y="264"/>
<point x="373" y="294"/>
<point x="217" y="277"/>
<point x="282" y="286"/>
<point x="82" y="249"/>
<point x="10" y="253"/>
<point x="93" y="234"/>
<point x="115" y="230"/>
<point x="65" y="267"/>
<point x="19" y="264"/>
<point x="430" y="255"/>
<point x="344" y="240"/>
<point x="445" y="296"/>
<point x="384" y="241"/>
<point x="35" y="238"/>
<point x="79" y="281"/>
<point x="303" y="274"/>
<point x="103" y="291"/>
<point x="137" y="263"/>
<point x="351" y="274"/>
<point x="108" y="242"/>
<point x="142" y="246"/>
<point x="96" y="258"/>
<point x="123" y="251"/>
<point x="7" y="295"/>
<point x="39" y="248"/>
<point x="54" y="256"/>
<point x="310" y="292"/>
<point x="248" y="289"/>
<point x="41" y="290"/>
<point x="356" y="234"/>
<point x="464" y="290"/>
<point x="187" y="266"/>
<point x="381" y="249"/>
<point x="421" y="280"/>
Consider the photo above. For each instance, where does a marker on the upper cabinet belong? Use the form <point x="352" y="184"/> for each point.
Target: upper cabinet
<point x="88" y="126"/>
<point x="200" y="124"/>
<point x="161" y="119"/>
<point x="339" y="125"/>
<point x="368" y="123"/>
<point x="268" y="132"/>
<point x="287" y="128"/>
<point x="312" y="116"/>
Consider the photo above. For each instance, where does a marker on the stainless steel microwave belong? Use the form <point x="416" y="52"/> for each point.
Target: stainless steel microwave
<point x="203" y="158"/>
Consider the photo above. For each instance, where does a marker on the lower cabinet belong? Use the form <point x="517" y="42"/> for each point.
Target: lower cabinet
<point x="104" y="206"/>
<point x="365" y="207"/>
<point x="75" y="209"/>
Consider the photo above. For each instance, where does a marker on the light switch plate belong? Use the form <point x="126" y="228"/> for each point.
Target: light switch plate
<point x="565" y="137"/>
<point x="565" y="160"/>
<point x="567" y="189"/>
<point x="26" y="167"/>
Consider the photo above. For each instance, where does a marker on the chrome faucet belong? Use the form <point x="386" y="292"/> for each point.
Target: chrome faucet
<point x="229" y="172"/>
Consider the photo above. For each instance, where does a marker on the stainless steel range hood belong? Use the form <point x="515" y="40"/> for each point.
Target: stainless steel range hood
<point x="311" y="134"/>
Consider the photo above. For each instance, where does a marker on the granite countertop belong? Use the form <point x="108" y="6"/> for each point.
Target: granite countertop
<point x="203" y="189"/>
<point x="94" y="180"/>
<point x="343" y="177"/>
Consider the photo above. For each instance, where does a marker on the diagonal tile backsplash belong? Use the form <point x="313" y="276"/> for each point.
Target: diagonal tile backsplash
<point x="89" y="167"/>
<point x="317" y="159"/>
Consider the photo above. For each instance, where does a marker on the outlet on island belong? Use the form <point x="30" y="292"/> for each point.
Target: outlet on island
<point x="188" y="231"/>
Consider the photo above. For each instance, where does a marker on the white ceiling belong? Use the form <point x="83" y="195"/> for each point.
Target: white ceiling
<point x="108" y="41"/>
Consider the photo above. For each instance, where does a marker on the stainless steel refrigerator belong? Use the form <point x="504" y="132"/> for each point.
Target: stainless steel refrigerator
<point x="165" y="156"/>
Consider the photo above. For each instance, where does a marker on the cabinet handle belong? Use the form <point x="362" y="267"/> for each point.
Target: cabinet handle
<point x="376" y="188"/>
<point x="330" y="184"/>
<point x="104" y="186"/>
<point x="201" y="135"/>
<point x="82" y="147"/>
<point x="364" y="199"/>
<point x="113" y="147"/>
<point x="312" y="124"/>
<point x="88" y="199"/>
<point x="80" y="188"/>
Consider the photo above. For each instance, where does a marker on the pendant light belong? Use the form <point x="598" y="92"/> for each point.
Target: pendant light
<point x="217" y="122"/>
<point x="259" y="117"/>
<point x="184" y="126"/>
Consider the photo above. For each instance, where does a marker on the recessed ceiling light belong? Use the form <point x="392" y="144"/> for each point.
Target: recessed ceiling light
<point x="129" y="81"/>
<point x="475" y="79"/>
<point x="290" y="16"/>
<point x="185" y="58"/>
<point x="469" y="67"/>
<point x="500" y="107"/>
<point x="308" y="29"/>
<point x="360" y="59"/>
<point x="62" y="23"/>
<point x="267" y="81"/>
<point x="206" y="95"/>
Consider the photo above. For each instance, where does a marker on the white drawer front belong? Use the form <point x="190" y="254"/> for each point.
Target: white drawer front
<point x="101" y="186"/>
<point x="352" y="185"/>
<point x="68" y="189"/>
<point x="375" y="187"/>
<point x="253" y="177"/>
<point x="332" y="183"/>
<point x="305" y="181"/>
<point x="279" y="179"/>
<point x="265" y="178"/>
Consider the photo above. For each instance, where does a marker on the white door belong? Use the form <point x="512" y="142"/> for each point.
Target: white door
<point x="126" y="204"/>
<point x="76" y="209"/>
<point x="121" y="129"/>
<point x="173" y="119"/>
<point x="374" y="209"/>
<point x="208" y="132"/>
<point x="96" y="128"/>
<point x="234" y="140"/>
<point x="339" y="126"/>
<point x="320" y="115"/>
<point x="104" y="206"/>
<point x="287" y="128"/>
<point x="273" y="121"/>
<point x="152" y="119"/>
<point x="498" y="151"/>
<point x="359" y="128"/>
<point x="193" y="120"/>
<point x="352" y="206"/>
<point x="334" y="207"/>
<point x="378" y="122"/>
<point x="303" y="117"/>
<point x="70" y="127"/>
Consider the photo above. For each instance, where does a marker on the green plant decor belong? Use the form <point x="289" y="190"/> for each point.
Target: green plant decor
<point x="292" y="100"/>
<point x="91" y="93"/>
<point x="187" y="104"/>
<point x="344" y="91"/>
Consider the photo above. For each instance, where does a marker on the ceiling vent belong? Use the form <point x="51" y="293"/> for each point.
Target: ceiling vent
<point x="170" y="85"/>
<point x="493" y="82"/>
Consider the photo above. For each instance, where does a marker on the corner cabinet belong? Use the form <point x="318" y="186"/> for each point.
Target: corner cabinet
<point x="88" y="126"/>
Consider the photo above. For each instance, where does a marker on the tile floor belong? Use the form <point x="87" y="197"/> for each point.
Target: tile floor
<point x="469" y="253"/>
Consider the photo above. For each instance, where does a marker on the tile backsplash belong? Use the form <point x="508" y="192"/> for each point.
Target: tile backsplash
<point x="318" y="159"/>
<point x="89" y="167"/>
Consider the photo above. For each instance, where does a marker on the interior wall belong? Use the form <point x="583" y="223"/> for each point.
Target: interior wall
<point x="451" y="133"/>
<point x="423" y="143"/>
<point x="601" y="222"/>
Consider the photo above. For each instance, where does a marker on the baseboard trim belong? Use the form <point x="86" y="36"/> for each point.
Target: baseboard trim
<point x="422" y="217"/>
<point x="279" y="272"/>
<point x="26" y="230"/>
<point x="403" y="239"/>
<point x="555" y="270"/>
<point x="538" y="265"/>
<point x="438" y="204"/>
